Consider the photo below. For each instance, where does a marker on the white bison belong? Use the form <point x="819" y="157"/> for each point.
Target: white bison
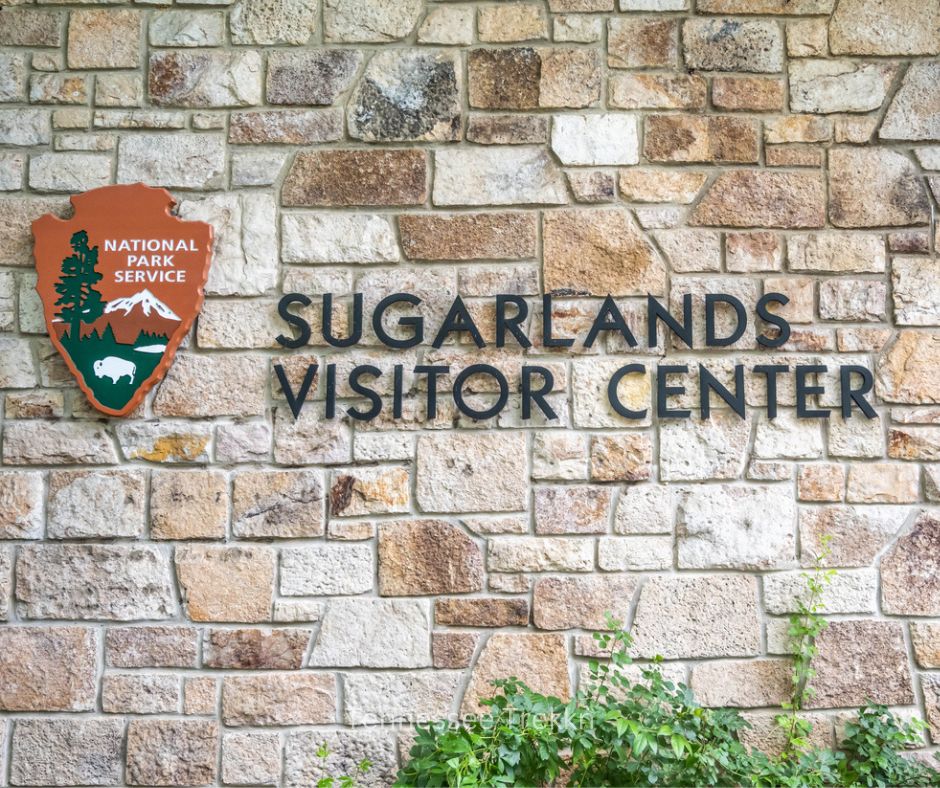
<point x="115" y="368"/>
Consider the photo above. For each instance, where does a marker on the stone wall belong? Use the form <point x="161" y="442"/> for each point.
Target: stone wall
<point x="207" y="590"/>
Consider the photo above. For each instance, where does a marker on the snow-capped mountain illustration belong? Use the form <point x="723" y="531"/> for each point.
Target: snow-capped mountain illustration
<point x="146" y="301"/>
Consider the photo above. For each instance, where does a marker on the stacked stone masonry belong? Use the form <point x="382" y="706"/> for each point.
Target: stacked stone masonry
<point x="208" y="590"/>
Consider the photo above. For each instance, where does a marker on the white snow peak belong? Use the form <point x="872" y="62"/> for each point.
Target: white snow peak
<point x="147" y="302"/>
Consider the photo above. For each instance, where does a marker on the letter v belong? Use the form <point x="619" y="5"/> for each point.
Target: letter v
<point x="296" y="403"/>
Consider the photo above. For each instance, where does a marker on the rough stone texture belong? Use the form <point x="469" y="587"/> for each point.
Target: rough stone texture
<point x="48" y="669"/>
<point x="277" y="22"/>
<point x="407" y="95"/>
<point x="251" y="758"/>
<point x="86" y="504"/>
<point x="838" y="85"/>
<point x="569" y="603"/>
<point x="66" y="752"/>
<point x="909" y="571"/>
<point x="599" y="252"/>
<point x="908" y="370"/>
<point x="279" y="699"/>
<point x="99" y="38"/>
<point x="860" y="662"/>
<point x="325" y="238"/>
<point x="683" y="617"/>
<point x="732" y="45"/>
<point x="496" y="176"/>
<point x="21" y="515"/>
<point x="367" y="177"/>
<point x="369" y="20"/>
<point x="303" y="767"/>
<point x="895" y="193"/>
<point x="139" y="693"/>
<point x="925" y="638"/>
<point x="421" y="557"/>
<point x="481" y="612"/>
<point x="172" y="752"/>
<point x="698" y="450"/>
<point x="469" y="236"/>
<point x="895" y="27"/>
<point x="278" y="504"/>
<point x="205" y="79"/>
<point x="110" y="582"/>
<point x="188" y="505"/>
<point x="753" y="198"/>
<point x="755" y="683"/>
<point x="717" y="528"/>
<point x="399" y="697"/>
<point x="322" y="570"/>
<point x="187" y="161"/>
<point x="913" y="113"/>
<point x="469" y="473"/>
<point x="310" y="77"/>
<point x="255" y="649"/>
<point x="538" y="660"/>
<point x="151" y="647"/>
<point x="571" y="510"/>
<point x="226" y="583"/>
<point x="376" y="633"/>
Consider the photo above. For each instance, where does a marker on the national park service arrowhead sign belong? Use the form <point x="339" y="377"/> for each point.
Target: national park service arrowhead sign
<point x="121" y="283"/>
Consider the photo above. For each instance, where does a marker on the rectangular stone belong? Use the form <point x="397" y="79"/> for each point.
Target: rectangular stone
<point x="325" y="238"/>
<point x="151" y="647"/>
<point x="278" y="504"/>
<point x="695" y="138"/>
<point x="118" y="508"/>
<point x="67" y="752"/>
<point x="356" y="177"/>
<point x="279" y="699"/>
<point x="182" y="161"/>
<point x="155" y="748"/>
<point x="540" y="554"/>
<point x="497" y="175"/>
<point x="48" y="669"/>
<point x="285" y="127"/>
<point x="105" y="582"/>
<point x="213" y="385"/>
<point x="481" y="612"/>
<point x="255" y="649"/>
<point x="31" y="27"/>
<point x="376" y="698"/>
<point x="226" y="583"/>
<point x="326" y="570"/>
<point x="206" y="78"/>
<point x="469" y="236"/>
<point x="140" y="693"/>
<point x="657" y="91"/>
<point x="579" y="509"/>
<point x="104" y="38"/>
<point x="21" y="516"/>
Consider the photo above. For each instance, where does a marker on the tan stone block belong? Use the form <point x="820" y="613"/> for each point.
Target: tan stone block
<point x="34" y="404"/>
<point x="469" y="236"/>
<point x="539" y="554"/>
<point x="378" y="490"/>
<point x="572" y="510"/>
<point x="48" y="669"/>
<point x="31" y="27"/>
<point x="910" y="571"/>
<point x="278" y="22"/>
<point x="894" y="193"/>
<point x="797" y="128"/>
<point x="512" y="22"/>
<point x="154" y="749"/>
<point x="164" y="441"/>
<point x="188" y="504"/>
<point x="896" y="27"/>
<point x="657" y="91"/>
<point x="584" y="603"/>
<point x="538" y="660"/>
<point x="682" y="617"/>
<point x="807" y="38"/>
<point x="632" y="553"/>
<point x="627" y="457"/>
<point x="857" y="534"/>
<point x="376" y="698"/>
<point x="366" y="177"/>
<point x="882" y="482"/>
<point x="732" y="45"/>
<point x="226" y="583"/>
<point x="21" y="505"/>
<point x="419" y="557"/>
<point x="481" y="612"/>
<point x="801" y="290"/>
<point x="757" y="251"/>
<point x="453" y="649"/>
<point x="57" y="443"/>
<point x="504" y="78"/>
<point x="507" y="129"/>
<point x="642" y="42"/>
<point x="199" y="695"/>
<point x="310" y="76"/>
<point x="285" y="127"/>
<point x="570" y="77"/>
<point x="140" y="693"/>
<point x="219" y="385"/>
<point x="599" y="252"/>
<point x="277" y="503"/>
<point x="113" y="582"/>
<point x="898" y="380"/>
<point x="253" y="758"/>
<point x="821" y="482"/>
<point x="151" y="647"/>
<point x="494" y="480"/>
<point x="861" y="662"/>
<point x="925" y="637"/>
<point x="255" y="649"/>
<point x="754" y="683"/>
<point x="755" y="198"/>
<point x="104" y="38"/>
<point x="693" y="138"/>
<point x="279" y="699"/>
<point x="914" y="443"/>
<point x="655" y="185"/>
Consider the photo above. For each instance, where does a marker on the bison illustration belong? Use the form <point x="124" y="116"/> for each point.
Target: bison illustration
<point x="115" y="368"/>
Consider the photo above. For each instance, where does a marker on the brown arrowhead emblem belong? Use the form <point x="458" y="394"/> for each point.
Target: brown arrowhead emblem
<point x="121" y="283"/>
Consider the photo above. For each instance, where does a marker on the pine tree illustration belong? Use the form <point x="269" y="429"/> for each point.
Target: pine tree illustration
<point x="80" y="302"/>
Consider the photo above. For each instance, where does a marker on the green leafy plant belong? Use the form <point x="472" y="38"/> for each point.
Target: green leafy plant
<point x="627" y="725"/>
<point x="343" y="780"/>
<point x="805" y="626"/>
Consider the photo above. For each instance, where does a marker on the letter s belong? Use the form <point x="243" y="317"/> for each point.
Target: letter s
<point x="298" y="322"/>
<point x="769" y="317"/>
